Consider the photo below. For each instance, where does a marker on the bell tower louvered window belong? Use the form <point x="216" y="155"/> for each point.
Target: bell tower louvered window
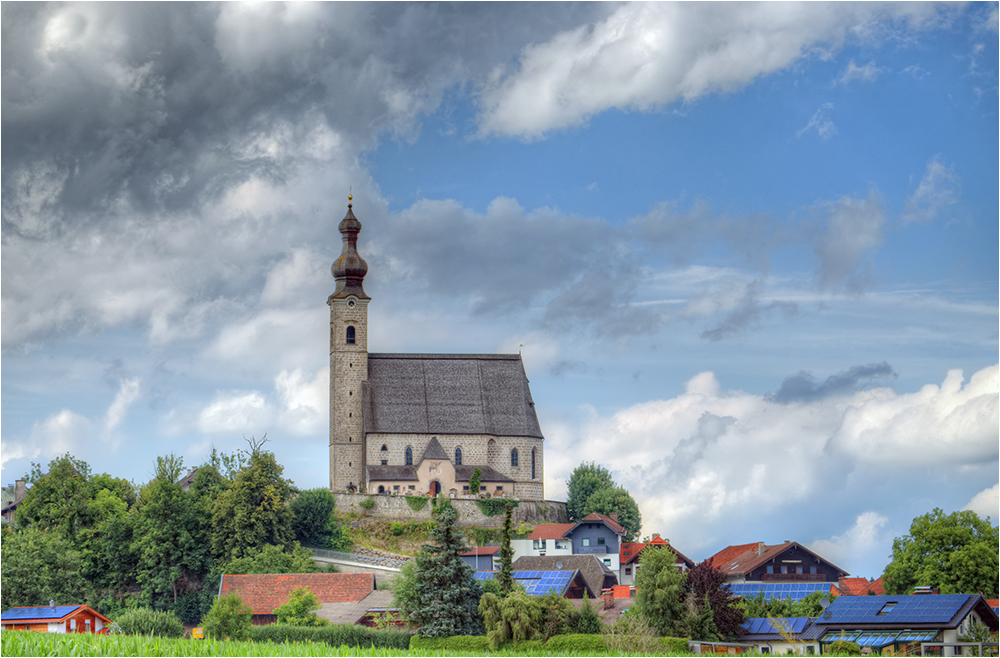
<point x="350" y="336"/>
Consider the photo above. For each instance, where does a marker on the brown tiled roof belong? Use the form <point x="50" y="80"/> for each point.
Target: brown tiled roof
<point x="463" y="472"/>
<point x="878" y="589"/>
<point x="482" y="550"/>
<point x="392" y="473"/>
<point x="614" y="525"/>
<point x="732" y="561"/>
<point x="858" y="587"/>
<point x="595" y="574"/>
<point x="352" y="611"/>
<point x="724" y="558"/>
<point x="265" y="592"/>
<point x="630" y="551"/>
<point x="551" y="530"/>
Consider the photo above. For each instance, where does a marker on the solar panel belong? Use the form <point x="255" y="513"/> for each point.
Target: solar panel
<point x="793" y="591"/>
<point x="38" y="612"/>
<point x="906" y="609"/>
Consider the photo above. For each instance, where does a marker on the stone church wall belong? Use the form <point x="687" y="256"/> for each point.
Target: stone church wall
<point x="395" y="508"/>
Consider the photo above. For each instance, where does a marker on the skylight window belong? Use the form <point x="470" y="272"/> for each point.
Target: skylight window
<point x="885" y="609"/>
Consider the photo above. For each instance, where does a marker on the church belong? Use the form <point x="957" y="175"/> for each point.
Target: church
<point x="418" y="424"/>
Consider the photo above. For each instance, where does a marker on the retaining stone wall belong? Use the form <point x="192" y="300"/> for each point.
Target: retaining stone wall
<point x="395" y="508"/>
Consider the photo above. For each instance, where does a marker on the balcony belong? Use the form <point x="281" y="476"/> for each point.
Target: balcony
<point x="787" y="577"/>
<point x="591" y="550"/>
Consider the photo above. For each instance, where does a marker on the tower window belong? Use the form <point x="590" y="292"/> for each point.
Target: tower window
<point x="409" y="456"/>
<point x="350" y="335"/>
<point x="458" y="456"/>
<point x="532" y="463"/>
<point x="513" y="457"/>
<point x="384" y="448"/>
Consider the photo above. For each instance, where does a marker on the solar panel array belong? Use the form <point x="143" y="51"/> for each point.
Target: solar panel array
<point x="537" y="583"/>
<point x="879" y="638"/>
<point x="793" y="591"/>
<point x="906" y="609"/>
<point x="765" y="626"/>
<point x="40" y="612"/>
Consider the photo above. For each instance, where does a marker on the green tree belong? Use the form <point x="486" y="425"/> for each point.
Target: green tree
<point x="228" y="619"/>
<point x="298" y="609"/>
<point x="557" y="614"/>
<point x="172" y="535"/>
<point x="954" y="553"/>
<point x="475" y="481"/>
<point x="447" y="592"/>
<point x="513" y="618"/>
<point x="585" y="481"/>
<point x="616" y="500"/>
<point x="39" y="565"/>
<point x="404" y="591"/>
<point x="59" y="499"/>
<point x="272" y="559"/>
<point x="109" y="558"/>
<point x="699" y="619"/>
<point x="254" y="510"/>
<point x="313" y="523"/>
<point x="588" y="621"/>
<point x="705" y="583"/>
<point x="659" y="595"/>
<point x="505" y="577"/>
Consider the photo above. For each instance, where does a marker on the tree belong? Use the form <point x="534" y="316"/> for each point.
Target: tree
<point x="313" y="522"/>
<point x="954" y="553"/>
<point x="272" y="559"/>
<point x="229" y="619"/>
<point x="588" y="621"/>
<point x="298" y="609"/>
<point x="254" y="510"/>
<point x="659" y="589"/>
<point x="404" y="590"/>
<point x="475" y="481"/>
<point x="707" y="584"/>
<point x="505" y="578"/>
<point x="514" y="618"/>
<point x="172" y="535"/>
<point x="447" y="593"/>
<point x="699" y="620"/>
<point x="585" y="480"/>
<point x="616" y="500"/>
<point x="39" y="565"/>
<point x="58" y="500"/>
<point x="557" y="614"/>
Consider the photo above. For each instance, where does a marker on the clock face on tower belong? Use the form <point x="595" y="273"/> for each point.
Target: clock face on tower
<point x="351" y="303"/>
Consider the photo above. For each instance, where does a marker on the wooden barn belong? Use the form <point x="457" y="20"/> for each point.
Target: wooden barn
<point x="55" y="619"/>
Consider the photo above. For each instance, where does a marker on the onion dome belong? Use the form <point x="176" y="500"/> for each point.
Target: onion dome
<point x="349" y="270"/>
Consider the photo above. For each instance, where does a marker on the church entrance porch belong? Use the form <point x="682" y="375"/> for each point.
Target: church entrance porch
<point x="435" y="487"/>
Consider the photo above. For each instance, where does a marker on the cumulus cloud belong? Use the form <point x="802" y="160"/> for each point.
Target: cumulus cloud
<point x="128" y="393"/>
<point x="711" y="456"/>
<point x="986" y="502"/>
<point x="852" y="231"/>
<point x="865" y="535"/>
<point x="646" y="55"/>
<point x="803" y="387"/>
<point x="937" y="189"/>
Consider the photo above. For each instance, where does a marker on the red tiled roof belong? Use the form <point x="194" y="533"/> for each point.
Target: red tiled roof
<point x="853" y="586"/>
<point x="482" y="550"/>
<point x="630" y="551"/>
<point x="265" y="592"/>
<point x="727" y="556"/>
<point x="551" y="530"/>
<point x="614" y="525"/>
<point x="736" y="560"/>
<point x="878" y="589"/>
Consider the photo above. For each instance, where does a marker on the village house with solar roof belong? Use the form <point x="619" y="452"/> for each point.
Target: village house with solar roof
<point x="418" y="424"/>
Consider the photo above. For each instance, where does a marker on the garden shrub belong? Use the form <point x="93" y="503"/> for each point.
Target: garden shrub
<point x="143" y="621"/>
<point x="844" y="648"/>
<point x="228" y="619"/>
<point x="674" y="645"/>
<point x="474" y="644"/>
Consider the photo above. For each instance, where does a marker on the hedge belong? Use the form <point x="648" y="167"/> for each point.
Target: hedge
<point x="335" y="636"/>
<point x="476" y="644"/>
<point x="577" y="643"/>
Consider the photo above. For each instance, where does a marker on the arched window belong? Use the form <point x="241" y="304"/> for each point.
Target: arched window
<point x="532" y="463"/>
<point x="513" y="457"/>
<point x="350" y="335"/>
<point x="492" y="453"/>
<point x="381" y="489"/>
<point x="458" y="456"/>
<point x="409" y="456"/>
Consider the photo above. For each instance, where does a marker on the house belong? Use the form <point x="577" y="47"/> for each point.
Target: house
<point x="55" y="619"/>
<point x="188" y="479"/>
<point x="901" y="623"/>
<point x="481" y="558"/>
<point x="421" y="423"/>
<point x="596" y="575"/>
<point x="595" y="534"/>
<point x="629" y="558"/>
<point x="567" y="583"/>
<point x="13" y="495"/>
<point x="265" y="592"/>
<point x="782" y="635"/>
<point x="858" y="587"/>
<point x="786" y="570"/>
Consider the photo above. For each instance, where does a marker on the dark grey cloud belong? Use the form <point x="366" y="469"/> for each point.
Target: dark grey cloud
<point x="747" y="311"/>
<point x="803" y="387"/>
<point x="850" y="233"/>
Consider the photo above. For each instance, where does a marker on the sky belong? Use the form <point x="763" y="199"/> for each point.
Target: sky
<point x="748" y="252"/>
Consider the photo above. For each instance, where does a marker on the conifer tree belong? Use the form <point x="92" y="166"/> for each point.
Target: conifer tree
<point x="506" y="576"/>
<point x="446" y="588"/>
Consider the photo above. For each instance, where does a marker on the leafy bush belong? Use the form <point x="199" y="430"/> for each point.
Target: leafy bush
<point x="367" y="503"/>
<point x="143" y="621"/>
<point x="334" y="635"/>
<point x="632" y="634"/>
<point x="416" y="503"/>
<point x="575" y="643"/>
<point x="229" y="619"/>
<point x="495" y="506"/>
<point x="515" y="618"/>
<point x="587" y="621"/>
<point x="674" y="645"/>
<point x="844" y="648"/>
<point x="298" y="609"/>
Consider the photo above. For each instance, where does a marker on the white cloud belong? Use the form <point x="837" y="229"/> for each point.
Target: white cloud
<point x="986" y="503"/>
<point x="937" y="189"/>
<point x="304" y="403"/>
<point x="128" y="392"/>
<point x="853" y="230"/>
<point x="646" y="55"/>
<point x="866" y="534"/>
<point x="247" y="413"/>
<point x="820" y="122"/>
<point x="867" y="73"/>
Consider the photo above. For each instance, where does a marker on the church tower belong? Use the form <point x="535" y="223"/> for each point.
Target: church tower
<point x="348" y="361"/>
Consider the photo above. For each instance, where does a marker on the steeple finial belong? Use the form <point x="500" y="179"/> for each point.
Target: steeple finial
<point x="349" y="270"/>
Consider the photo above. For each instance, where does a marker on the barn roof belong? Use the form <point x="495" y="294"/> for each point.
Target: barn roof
<point x="449" y="394"/>
<point x="265" y="592"/>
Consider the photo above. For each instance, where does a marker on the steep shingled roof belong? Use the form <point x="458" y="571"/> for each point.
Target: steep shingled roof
<point x="449" y="394"/>
<point x="265" y="592"/>
<point x="595" y="574"/>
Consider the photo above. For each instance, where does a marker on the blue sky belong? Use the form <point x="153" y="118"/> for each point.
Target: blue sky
<point x="749" y="252"/>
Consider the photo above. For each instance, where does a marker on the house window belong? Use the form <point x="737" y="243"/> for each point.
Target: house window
<point x="395" y="487"/>
<point x="585" y="542"/>
<point x="385" y="462"/>
<point x="561" y="543"/>
<point x="381" y="489"/>
<point x="533" y="476"/>
<point x="350" y="335"/>
<point x="600" y="541"/>
<point x="628" y="571"/>
<point x="886" y="609"/>
<point x="482" y="487"/>
<point x="538" y="544"/>
<point x="798" y="568"/>
<point x="411" y="487"/>
<point x="784" y="568"/>
<point x="465" y="488"/>
<point x="384" y="448"/>
<point x="513" y="457"/>
<point x="607" y="562"/>
<point x="499" y="488"/>
<point x="812" y="569"/>
<point x="770" y="568"/>
<point x="409" y="456"/>
<point x="458" y="456"/>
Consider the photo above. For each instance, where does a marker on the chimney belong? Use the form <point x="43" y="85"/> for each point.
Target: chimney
<point x="760" y="548"/>
<point x="609" y="599"/>
<point x="19" y="490"/>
